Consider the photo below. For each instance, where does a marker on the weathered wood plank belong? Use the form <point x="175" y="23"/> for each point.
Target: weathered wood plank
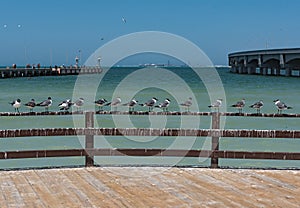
<point x="41" y="190"/>
<point x="97" y="181"/>
<point x="93" y="197"/>
<point x="242" y="184"/>
<point x="28" y="195"/>
<point x="150" y="187"/>
<point x="128" y="190"/>
<point x="59" y="194"/>
<point x="12" y="195"/>
<point x="3" y="184"/>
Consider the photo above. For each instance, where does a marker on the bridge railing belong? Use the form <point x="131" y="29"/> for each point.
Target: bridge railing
<point x="89" y="151"/>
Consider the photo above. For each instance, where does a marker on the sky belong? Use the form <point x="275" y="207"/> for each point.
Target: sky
<point x="53" y="32"/>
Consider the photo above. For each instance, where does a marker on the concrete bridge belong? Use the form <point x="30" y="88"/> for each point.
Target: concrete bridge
<point x="276" y="62"/>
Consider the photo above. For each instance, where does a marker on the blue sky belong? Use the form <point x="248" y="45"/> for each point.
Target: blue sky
<point x="53" y="32"/>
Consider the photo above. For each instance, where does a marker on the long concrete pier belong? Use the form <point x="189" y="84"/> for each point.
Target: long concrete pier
<point x="49" y="71"/>
<point x="274" y="62"/>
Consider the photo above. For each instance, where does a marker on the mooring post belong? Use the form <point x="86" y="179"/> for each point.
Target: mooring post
<point x="89" y="139"/>
<point x="214" y="163"/>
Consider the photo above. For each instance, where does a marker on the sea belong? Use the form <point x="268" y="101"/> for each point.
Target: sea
<point x="202" y="84"/>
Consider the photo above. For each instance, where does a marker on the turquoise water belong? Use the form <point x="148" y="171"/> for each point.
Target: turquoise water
<point x="175" y="83"/>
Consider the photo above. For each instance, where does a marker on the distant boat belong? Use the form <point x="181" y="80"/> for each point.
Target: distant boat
<point x="152" y="65"/>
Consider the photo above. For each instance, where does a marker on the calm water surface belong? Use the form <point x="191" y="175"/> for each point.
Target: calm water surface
<point x="252" y="88"/>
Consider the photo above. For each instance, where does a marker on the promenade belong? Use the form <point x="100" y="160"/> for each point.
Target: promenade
<point x="149" y="187"/>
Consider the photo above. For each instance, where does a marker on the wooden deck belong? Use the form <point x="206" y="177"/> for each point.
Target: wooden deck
<point x="149" y="187"/>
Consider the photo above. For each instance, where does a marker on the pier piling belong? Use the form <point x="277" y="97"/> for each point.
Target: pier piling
<point x="215" y="140"/>
<point x="89" y="139"/>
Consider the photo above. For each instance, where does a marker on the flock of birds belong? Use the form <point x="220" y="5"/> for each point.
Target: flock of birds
<point x="67" y="104"/>
<point x="152" y="103"/>
<point x="257" y="105"/>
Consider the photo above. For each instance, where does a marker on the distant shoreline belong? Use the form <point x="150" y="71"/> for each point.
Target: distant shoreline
<point x="119" y="66"/>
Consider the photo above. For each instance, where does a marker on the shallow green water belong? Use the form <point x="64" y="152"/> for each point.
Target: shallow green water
<point x="161" y="85"/>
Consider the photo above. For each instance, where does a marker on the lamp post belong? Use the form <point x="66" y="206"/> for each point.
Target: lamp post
<point x="79" y="57"/>
<point x="99" y="60"/>
<point x="76" y="61"/>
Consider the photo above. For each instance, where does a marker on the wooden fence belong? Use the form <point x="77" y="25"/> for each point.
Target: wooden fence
<point x="89" y="152"/>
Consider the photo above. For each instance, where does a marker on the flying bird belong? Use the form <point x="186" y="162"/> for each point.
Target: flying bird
<point x="131" y="104"/>
<point x="124" y="20"/>
<point x="240" y="105"/>
<point x="258" y="105"/>
<point x="150" y="103"/>
<point x="281" y="106"/>
<point x="31" y="104"/>
<point x="16" y="104"/>
<point x="187" y="104"/>
<point x="46" y="104"/>
<point x="164" y="105"/>
<point x="100" y="103"/>
<point x="217" y="104"/>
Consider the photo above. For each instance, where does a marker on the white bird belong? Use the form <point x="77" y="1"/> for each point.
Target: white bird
<point x="115" y="103"/>
<point x="65" y="105"/>
<point x="150" y="103"/>
<point x="281" y="106"/>
<point x="124" y="20"/>
<point x="100" y="103"/>
<point x="217" y="104"/>
<point x="79" y="103"/>
<point x="31" y="104"/>
<point x="240" y="105"/>
<point x="131" y="104"/>
<point x="164" y="105"/>
<point x="258" y="105"/>
<point x="187" y="104"/>
<point x="46" y="104"/>
<point x="16" y="104"/>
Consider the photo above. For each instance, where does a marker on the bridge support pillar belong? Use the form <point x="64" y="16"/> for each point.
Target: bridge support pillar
<point x="240" y="70"/>
<point x="265" y="71"/>
<point x="277" y="71"/>
<point x="288" y="72"/>
<point x="261" y="70"/>
<point x="251" y="70"/>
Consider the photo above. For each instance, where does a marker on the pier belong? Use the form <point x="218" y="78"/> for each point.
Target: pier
<point x="149" y="187"/>
<point x="55" y="71"/>
<point x="272" y="62"/>
<point x="144" y="186"/>
<point x="90" y="152"/>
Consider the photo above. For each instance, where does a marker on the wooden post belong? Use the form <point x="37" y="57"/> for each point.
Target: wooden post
<point x="89" y="139"/>
<point x="215" y="140"/>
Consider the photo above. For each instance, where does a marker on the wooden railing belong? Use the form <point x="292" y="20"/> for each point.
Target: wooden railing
<point x="89" y="152"/>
